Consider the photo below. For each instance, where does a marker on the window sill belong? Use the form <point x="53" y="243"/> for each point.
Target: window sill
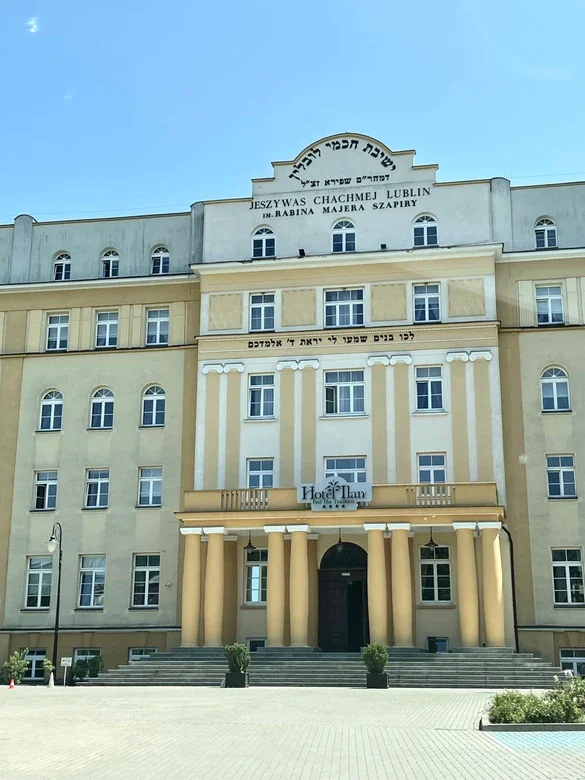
<point x="106" y="347"/>
<point x="94" y="508"/>
<point x="36" y="609"/>
<point x="56" y="350"/>
<point x="556" y="411"/>
<point x="141" y="609"/>
<point x="550" y="324"/>
<point x="254" y="332"/>
<point x="344" y="327"/>
<point x="568" y="606"/>
<point x="253" y="606"/>
<point x="427" y="412"/>
<point x="88" y="609"/>
<point x="43" y="510"/>
<point x="49" y="430"/>
<point x="428" y="322"/>
<point x="359" y="416"/>
<point x="259" y="419"/>
<point x="149" y="427"/>
<point x="436" y="605"/>
<point x="563" y="498"/>
<point x="162" y="344"/>
<point x="148" y="506"/>
<point x="99" y="429"/>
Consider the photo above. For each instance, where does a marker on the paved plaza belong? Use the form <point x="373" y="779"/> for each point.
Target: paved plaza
<point x="265" y="733"/>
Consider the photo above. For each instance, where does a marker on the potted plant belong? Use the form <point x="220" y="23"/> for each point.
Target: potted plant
<point x="238" y="659"/>
<point x="49" y="669"/>
<point x="15" y="667"/>
<point x="375" y="658"/>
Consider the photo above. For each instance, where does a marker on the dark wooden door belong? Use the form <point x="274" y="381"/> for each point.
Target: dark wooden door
<point x="341" y="620"/>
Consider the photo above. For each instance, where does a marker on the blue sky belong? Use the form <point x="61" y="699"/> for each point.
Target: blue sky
<point x="134" y="106"/>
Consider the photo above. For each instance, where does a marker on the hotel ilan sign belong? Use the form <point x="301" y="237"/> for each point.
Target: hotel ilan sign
<point x="334" y="494"/>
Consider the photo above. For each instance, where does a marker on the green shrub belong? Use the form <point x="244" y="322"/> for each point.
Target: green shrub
<point x="48" y="666"/>
<point x="564" y="704"/>
<point x="15" y="667"/>
<point x="238" y="657"/>
<point x="508" y="707"/>
<point x="375" y="658"/>
<point x="95" y="665"/>
<point x="77" y="672"/>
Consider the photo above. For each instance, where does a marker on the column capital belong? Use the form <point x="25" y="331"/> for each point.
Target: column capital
<point x="480" y="354"/>
<point x="292" y="364"/>
<point x="187" y="531"/>
<point x="274" y="529"/>
<point x="451" y="356"/>
<point x="292" y="528"/>
<point x="308" y="364"/>
<point x="227" y="367"/>
<point x="378" y="360"/>
<point x="398" y="526"/>
<point x="374" y="526"/>
<point x="394" y="359"/>
<point x="464" y="526"/>
<point x="209" y="367"/>
<point x="214" y="530"/>
<point x="489" y="525"/>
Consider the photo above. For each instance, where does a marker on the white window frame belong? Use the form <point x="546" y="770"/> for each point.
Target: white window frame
<point x="35" y="657"/>
<point x="160" y="261"/>
<point x="51" y="401"/>
<point x="255" y="576"/>
<point x="548" y="298"/>
<point x="344" y="307"/>
<point x="425" y="231"/>
<point x="95" y="575"/>
<point x="564" y="470"/>
<point x="106" y="329"/>
<point x="62" y="267"/>
<point x="564" y="567"/>
<point x="342" y="466"/>
<point x="545" y="233"/>
<point x="44" y="576"/>
<point x="343" y="236"/>
<point x="429" y="380"/>
<point x="135" y="654"/>
<point x="158" y="335"/>
<point x="57" y="332"/>
<point x="263" y="243"/>
<point x="110" y="264"/>
<point x="155" y="396"/>
<point x="98" y="409"/>
<point x="555" y="376"/>
<point x="435" y="467"/>
<point x="86" y="653"/>
<point x="260" y="470"/>
<point x="574" y="660"/>
<point x="143" y="600"/>
<point x="261" y="396"/>
<point x="99" y="479"/>
<point x="262" y="305"/>
<point x="344" y="392"/>
<point x="431" y="300"/>
<point x="47" y="496"/>
<point x="434" y="563"/>
<point x="149" y="476"/>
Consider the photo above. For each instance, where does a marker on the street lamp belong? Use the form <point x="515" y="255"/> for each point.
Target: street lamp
<point x="52" y="544"/>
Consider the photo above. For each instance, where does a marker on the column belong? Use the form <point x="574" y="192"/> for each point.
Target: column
<point x="214" y="587"/>
<point x="275" y="586"/>
<point x="467" y="591"/>
<point x="377" y="587"/>
<point x="401" y="584"/>
<point x="191" y="593"/>
<point x="299" y="586"/>
<point x="493" y="592"/>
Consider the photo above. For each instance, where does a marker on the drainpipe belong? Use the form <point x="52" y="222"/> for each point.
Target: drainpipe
<point x="513" y="578"/>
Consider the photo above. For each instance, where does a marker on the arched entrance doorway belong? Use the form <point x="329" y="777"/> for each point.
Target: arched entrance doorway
<point x="343" y="598"/>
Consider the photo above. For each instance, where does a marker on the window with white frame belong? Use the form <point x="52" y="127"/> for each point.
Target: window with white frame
<point x="425" y="231"/>
<point x="139" y="653"/>
<point x="261" y="395"/>
<point x="554" y="384"/>
<point x="45" y="490"/>
<point x="260" y="473"/>
<point x="150" y="486"/>
<point x="549" y="304"/>
<point x="157" y="326"/>
<point x="435" y="574"/>
<point x="262" y="311"/>
<point x="97" y="488"/>
<point x="85" y="653"/>
<point x="560" y="472"/>
<point x="51" y="411"/>
<point x="102" y="409"/>
<point x="35" y="670"/>
<point x="146" y="580"/>
<point x="427" y="302"/>
<point x="110" y="265"/>
<point x="344" y="308"/>
<point x="545" y="234"/>
<point x="160" y="260"/>
<point x="573" y="659"/>
<point x="57" y="332"/>
<point x="567" y="567"/>
<point x="39" y="579"/>
<point x="429" y="388"/>
<point x="153" y="406"/>
<point x="92" y="581"/>
<point x="256" y="576"/>
<point x="106" y="329"/>
<point x="62" y="267"/>
<point x="431" y="467"/>
<point x="263" y="243"/>
<point x="349" y="469"/>
<point x="344" y="392"/>
<point x="343" y="236"/>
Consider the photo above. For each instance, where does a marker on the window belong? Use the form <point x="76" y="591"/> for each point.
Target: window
<point x="344" y="308"/>
<point x="92" y="581"/>
<point x="429" y="388"/>
<point x="106" y="329"/>
<point x="160" y="260"/>
<point x="145" y="587"/>
<point x="150" y="486"/>
<point x="545" y="233"/>
<point x="254" y="643"/>
<point x="344" y="392"/>
<point x="560" y="472"/>
<point x="349" y="469"/>
<point x="46" y="490"/>
<point x="157" y="326"/>
<point x="85" y="653"/>
<point x="102" y="409"/>
<point x="344" y="236"/>
<point x="549" y="304"/>
<point x="57" y="331"/>
<point x="427" y="303"/>
<point x="153" y="406"/>
<point x="425" y="231"/>
<point x="39" y="578"/>
<point x="261" y="392"/>
<point x="51" y="411"/>
<point x="568" y="576"/>
<point x="261" y="473"/>
<point x="35" y="669"/>
<point x="138" y="653"/>
<point x="97" y="488"/>
<point x="435" y="574"/>
<point x="262" y="311"/>
<point x="263" y="243"/>
<point x="554" y="384"/>
<point x="110" y="264"/>
<point x="62" y="267"/>
<point x="256" y="576"/>
<point x="573" y="659"/>
<point x="431" y="468"/>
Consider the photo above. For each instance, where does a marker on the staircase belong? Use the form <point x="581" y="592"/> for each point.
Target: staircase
<point x="481" y="668"/>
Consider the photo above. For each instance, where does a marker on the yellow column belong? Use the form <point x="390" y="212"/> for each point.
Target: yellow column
<point x="467" y="591"/>
<point x="401" y="585"/>
<point x="377" y="587"/>
<point x="214" y="587"/>
<point x="493" y="592"/>
<point x="299" y="586"/>
<point x="275" y="586"/>
<point x="191" y="592"/>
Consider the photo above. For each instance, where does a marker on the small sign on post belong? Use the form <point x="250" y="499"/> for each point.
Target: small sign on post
<point x="66" y="660"/>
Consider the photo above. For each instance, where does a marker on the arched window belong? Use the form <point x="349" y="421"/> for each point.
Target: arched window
<point x="62" y="267"/>
<point x="344" y="236"/>
<point x="153" y="406"/>
<point x="160" y="260"/>
<point x="51" y="411"/>
<point x="264" y="243"/>
<point x="102" y="409"/>
<point x="110" y="264"/>
<point x="554" y="384"/>
<point x="425" y="231"/>
<point x="545" y="233"/>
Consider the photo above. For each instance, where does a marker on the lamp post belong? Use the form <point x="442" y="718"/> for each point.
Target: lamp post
<point x="52" y="544"/>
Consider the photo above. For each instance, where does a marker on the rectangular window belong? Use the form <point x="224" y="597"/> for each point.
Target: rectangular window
<point x="435" y="574"/>
<point x="573" y="659"/>
<point x="256" y="576"/>
<point x="427" y="303"/>
<point x="349" y="469"/>
<point x="549" y="304"/>
<point x="344" y="308"/>
<point x="106" y="329"/>
<point x="262" y="311"/>
<point x="57" y="332"/>
<point x="35" y="660"/>
<point x="39" y="578"/>
<point x="255" y="642"/>
<point x="160" y="264"/>
<point x="45" y="490"/>
<point x="568" y="576"/>
<point x="431" y="467"/>
<point x="429" y="388"/>
<point x="138" y="653"/>
<point x="97" y="488"/>
<point x="150" y="486"/>
<point x="261" y="473"/>
<point x="62" y="270"/>
<point x="85" y="653"/>
<point x="344" y="392"/>
<point x="157" y="326"/>
<point x="145" y="588"/>
<point x="261" y="394"/>
<point x="110" y="267"/>
<point x="560" y="472"/>
<point x="92" y="581"/>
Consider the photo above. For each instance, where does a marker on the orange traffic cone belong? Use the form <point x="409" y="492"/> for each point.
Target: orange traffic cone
<point x="11" y="686"/>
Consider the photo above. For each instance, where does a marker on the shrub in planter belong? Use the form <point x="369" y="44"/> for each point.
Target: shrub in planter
<point x="15" y="667"/>
<point x="564" y="704"/>
<point x="238" y="659"/>
<point x="375" y="657"/>
<point x="77" y="673"/>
